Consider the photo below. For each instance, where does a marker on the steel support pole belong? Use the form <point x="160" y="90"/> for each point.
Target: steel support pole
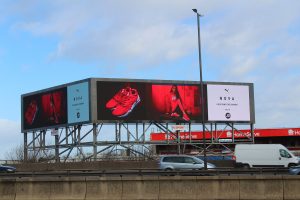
<point x="201" y="88"/>
<point x="252" y="133"/>
<point x="25" y="148"/>
<point x="95" y="141"/>
<point x="57" y="160"/>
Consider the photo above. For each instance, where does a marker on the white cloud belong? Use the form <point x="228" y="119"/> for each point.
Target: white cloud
<point x="148" y="31"/>
<point x="10" y="132"/>
<point x="156" y="30"/>
<point x="254" y="41"/>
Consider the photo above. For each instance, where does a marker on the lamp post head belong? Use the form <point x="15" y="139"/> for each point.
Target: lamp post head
<point x="195" y="10"/>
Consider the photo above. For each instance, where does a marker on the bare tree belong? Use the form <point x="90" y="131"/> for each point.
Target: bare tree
<point x="16" y="154"/>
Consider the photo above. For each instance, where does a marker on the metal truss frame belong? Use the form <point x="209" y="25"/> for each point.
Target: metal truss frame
<point x="132" y="139"/>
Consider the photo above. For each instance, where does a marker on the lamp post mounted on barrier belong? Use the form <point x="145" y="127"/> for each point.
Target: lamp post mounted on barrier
<point x="201" y="89"/>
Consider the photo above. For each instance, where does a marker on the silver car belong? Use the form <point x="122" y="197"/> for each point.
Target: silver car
<point x="295" y="170"/>
<point x="176" y="162"/>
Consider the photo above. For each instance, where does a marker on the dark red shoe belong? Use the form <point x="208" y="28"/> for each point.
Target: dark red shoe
<point x="127" y="104"/>
<point x="30" y="112"/>
<point x="174" y="114"/>
<point x="113" y="102"/>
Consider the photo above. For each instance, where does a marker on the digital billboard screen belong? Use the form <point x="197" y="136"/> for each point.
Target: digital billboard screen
<point x="78" y="103"/>
<point x="146" y="101"/>
<point x="133" y="101"/>
<point x="45" y="109"/>
<point x="228" y="102"/>
<point x="61" y="106"/>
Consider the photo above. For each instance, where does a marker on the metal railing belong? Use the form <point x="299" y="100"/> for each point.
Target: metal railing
<point x="152" y="172"/>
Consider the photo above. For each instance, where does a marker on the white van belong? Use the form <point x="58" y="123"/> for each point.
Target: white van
<point x="264" y="155"/>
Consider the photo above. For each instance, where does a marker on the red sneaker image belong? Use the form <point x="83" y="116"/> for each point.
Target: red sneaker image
<point x="113" y="102"/>
<point x="127" y="103"/>
<point x="174" y="114"/>
<point x="30" y="112"/>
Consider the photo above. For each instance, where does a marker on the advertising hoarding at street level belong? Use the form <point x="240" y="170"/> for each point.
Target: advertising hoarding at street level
<point x="97" y="100"/>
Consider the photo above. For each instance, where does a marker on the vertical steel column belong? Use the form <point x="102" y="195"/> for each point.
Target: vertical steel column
<point x="95" y="141"/>
<point x="78" y="135"/>
<point x="216" y="132"/>
<point x="136" y="132"/>
<point x="39" y="139"/>
<point x="44" y="138"/>
<point x="252" y="133"/>
<point x="119" y="133"/>
<point x="128" y="139"/>
<point x="116" y="133"/>
<point x="168" y="134"/>
<point x="190" y="133"/>
<point x="232" y="133"/>
<point x="79" y="140"/>
<point x="178" y="140"/>
<point x="144" y="137"/>
<point x="25" y="148"/>
<point x="34" y="145"/>
<point x="211" y="133"/>
<point x="67" y="141"/>
<point x="57" y="160"/>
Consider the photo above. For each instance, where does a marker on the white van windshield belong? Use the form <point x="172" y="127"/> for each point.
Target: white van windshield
<point x="284" y="153"/>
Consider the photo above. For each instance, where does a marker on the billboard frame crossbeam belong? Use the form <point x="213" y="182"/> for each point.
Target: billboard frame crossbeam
<point x="65" y="147"/>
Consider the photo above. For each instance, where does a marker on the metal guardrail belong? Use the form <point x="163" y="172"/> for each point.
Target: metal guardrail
<point x="150" y="172"/>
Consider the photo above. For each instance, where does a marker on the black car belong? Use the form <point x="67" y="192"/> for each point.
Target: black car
<point x="5" y="168"/>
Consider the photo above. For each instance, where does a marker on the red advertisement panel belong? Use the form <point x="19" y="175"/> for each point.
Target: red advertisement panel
<point x="133" y="101"/>
<point x="197" y="135"/>
<point x="45" y="109"/>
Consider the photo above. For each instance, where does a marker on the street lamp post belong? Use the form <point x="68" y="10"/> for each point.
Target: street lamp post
<point x="201" y="89"/>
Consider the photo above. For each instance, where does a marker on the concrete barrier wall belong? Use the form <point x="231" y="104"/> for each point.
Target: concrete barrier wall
<point x="7" y="188"/>
<point x="152" y="188"/>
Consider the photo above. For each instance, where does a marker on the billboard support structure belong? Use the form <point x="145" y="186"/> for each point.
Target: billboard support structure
<point x="82" y="143"/>
<point x="77" y="112"/>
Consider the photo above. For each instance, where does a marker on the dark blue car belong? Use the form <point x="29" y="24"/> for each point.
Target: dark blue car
<point x="5" y="168"/>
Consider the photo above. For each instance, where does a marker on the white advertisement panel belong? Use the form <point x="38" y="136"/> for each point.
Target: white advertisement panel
<point x="78" y="103"/>
<point x="228" y="102"/>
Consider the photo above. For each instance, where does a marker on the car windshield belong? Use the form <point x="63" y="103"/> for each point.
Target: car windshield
<point x="197" y="160"/>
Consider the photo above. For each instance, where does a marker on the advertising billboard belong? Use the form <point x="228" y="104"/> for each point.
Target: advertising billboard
<point x="56" y="107"/>
<point x="132" y="100"/>
<point x="228" y="102"/>
<point x="45" y="109"/>
<point x="146" y="101"/>
<point x="78" y="103"/>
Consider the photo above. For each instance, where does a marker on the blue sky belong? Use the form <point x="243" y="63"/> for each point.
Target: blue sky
<point x="52" y="42"/>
